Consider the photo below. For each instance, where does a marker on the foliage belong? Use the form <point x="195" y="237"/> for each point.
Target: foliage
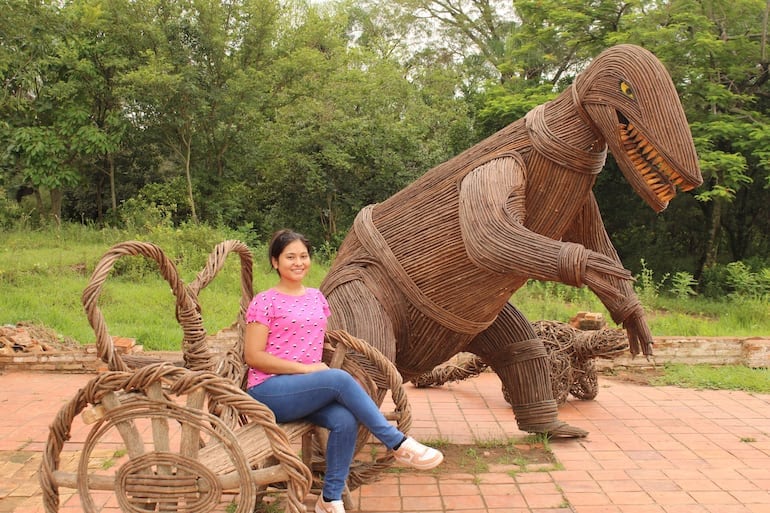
<point x="682" y="285"/>
<point x="156" y="204"/>
<point x="746" y="283"/>
<point x="260" y="113"/>
<point x="737" y="280"/>
<point x="647" y="288"/>
<point x="10" y="211"/>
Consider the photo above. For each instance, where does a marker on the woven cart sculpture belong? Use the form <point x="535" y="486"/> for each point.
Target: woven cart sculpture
<point x="185" y="436"/>
<point x="429" y="272"/>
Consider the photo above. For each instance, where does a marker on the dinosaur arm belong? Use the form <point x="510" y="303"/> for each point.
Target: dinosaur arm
<point x="492" y="214"/>
<point x="588" y="230"/>
<point x="616" y="294"/>
<point x="492" y="208"/>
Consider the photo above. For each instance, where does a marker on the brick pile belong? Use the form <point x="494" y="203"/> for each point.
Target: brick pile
<point x="29" y="347"/>
<point x="28" y="338"/>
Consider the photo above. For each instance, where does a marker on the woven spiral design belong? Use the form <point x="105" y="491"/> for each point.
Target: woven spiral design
<point x="187" y="310"/>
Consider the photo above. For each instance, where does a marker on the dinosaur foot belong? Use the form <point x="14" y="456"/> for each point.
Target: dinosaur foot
<point x="567" y="431"/>
<point x="560" y="430"/>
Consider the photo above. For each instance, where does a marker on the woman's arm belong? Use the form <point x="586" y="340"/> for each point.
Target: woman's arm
<point x="255" y="341"/>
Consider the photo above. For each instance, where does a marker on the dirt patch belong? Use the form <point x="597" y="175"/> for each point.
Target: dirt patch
<point x="635" y="376"/>
<point x="504" y="456"/>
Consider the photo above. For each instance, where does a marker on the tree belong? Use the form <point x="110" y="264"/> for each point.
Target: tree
<point x="717" y="54"/>
<point x="52" y="136"/>
<point x="345" y="128"/>
<point x="96" y="37"/>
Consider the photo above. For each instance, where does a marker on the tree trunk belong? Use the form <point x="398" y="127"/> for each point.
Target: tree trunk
<point x="712" y="247"/>
<point x="39" y="203"/>
<point x="111" y="173"/>
<point x="99" y="205"/>
<point x="328" y="218"/>
<point x="188" y="176"/>
<point x="56" y="202"/>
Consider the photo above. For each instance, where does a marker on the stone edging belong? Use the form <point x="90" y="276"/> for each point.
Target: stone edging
<point x="751" y="351"/>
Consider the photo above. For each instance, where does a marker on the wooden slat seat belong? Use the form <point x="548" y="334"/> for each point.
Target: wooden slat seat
<point x="254" y="444"/>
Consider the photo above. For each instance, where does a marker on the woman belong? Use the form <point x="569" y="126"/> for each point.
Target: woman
<point x="283" y="348"/>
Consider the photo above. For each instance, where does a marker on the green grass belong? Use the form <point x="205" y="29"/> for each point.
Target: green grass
<point x="43" y="274"/>
<point x="666" y="316"/>
<point x="723" y="377"/>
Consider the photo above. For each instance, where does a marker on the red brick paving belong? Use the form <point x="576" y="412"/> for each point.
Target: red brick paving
<point x="650" y="450"/>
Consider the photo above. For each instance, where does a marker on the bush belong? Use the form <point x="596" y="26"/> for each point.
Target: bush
<point x="139" y="215"/>
<point x="10" y="211"/>
<point x="163" y="203"/>
<point x="736" y="280"/>
<point x="682" y="285"/>
<point x="646" y="287"/>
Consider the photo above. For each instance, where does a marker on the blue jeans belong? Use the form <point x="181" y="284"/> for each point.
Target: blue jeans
<point x="334" y="400"/>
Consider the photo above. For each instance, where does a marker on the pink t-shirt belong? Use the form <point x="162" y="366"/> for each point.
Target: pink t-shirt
<point x="296" y="326"/>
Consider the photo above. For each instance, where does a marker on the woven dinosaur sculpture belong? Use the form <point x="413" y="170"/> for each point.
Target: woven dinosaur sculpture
<point x="429" y="272"/>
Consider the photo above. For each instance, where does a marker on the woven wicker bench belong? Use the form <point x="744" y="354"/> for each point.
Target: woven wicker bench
<point x="185" y="436"/>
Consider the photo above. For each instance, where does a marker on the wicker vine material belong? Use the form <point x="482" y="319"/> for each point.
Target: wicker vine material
<point x="185" y="436"/>
<point x="429" y="272"/>
<point x="571" y="356"/>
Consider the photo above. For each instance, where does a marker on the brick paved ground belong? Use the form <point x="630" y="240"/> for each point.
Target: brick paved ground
<point x="650" y="450"/>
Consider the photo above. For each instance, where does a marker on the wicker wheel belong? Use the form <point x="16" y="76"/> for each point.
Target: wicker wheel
<point x="155" y="446"/>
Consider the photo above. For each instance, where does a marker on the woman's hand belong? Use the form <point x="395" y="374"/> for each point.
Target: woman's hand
<point x="316" y="367"/>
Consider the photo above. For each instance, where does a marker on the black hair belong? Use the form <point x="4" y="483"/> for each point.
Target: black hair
<point x="283" y="238"/>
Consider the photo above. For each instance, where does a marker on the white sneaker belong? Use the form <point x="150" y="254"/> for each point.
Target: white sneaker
<point x="321" y="506"/>
<point x="416" y="455"/>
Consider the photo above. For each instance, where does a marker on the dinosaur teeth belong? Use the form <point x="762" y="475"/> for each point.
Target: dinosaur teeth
<point x="650" y="164"/>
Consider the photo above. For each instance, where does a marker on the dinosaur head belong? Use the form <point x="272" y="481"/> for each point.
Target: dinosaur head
<point x="629" y="97"/>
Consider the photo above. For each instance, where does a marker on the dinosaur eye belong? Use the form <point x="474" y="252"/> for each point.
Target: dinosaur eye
<point x="626" y="89"/>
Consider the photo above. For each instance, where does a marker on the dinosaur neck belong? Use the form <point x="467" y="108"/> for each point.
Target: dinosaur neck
<point x="560" y="133"/>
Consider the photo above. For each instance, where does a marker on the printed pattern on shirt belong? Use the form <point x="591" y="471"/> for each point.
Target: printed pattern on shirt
<point x="296" y="326"/>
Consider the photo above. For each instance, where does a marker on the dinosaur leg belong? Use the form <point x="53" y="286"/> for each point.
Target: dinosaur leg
<point x="356" y="310"/>
<point x="519" y="358"/>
